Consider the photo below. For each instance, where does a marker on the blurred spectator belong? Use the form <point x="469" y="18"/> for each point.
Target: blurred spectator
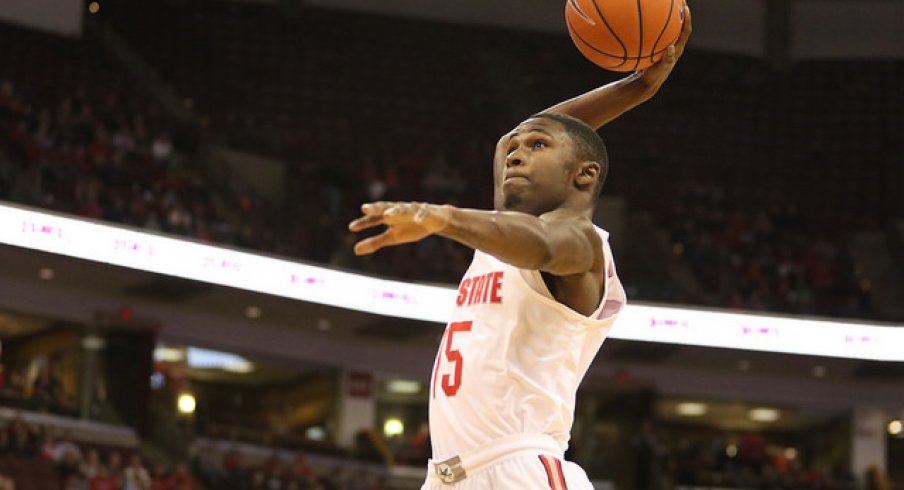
<point x="161" y="148"/>
<point x="103" y="480"/>
<point x="65" y="446"/>
<point x="7" y="483"/>
<point x="646" y="458"/>
<point x="90" y="467"/>
<point x="752" y="451"/>
<point x="179" y="479"/>
<point x="762" y="260"/>
<point x="369" y="446"/>
<point x="68" y="468"/>
<point x="114" y="466"/>
<point x="875" y="480"/>
<point x="135" y="475"/>
<point x="417" y="449"/>
<point x="22" y="440"/>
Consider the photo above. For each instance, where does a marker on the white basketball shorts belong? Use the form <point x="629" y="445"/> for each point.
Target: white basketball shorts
<point x="516" y="463"/>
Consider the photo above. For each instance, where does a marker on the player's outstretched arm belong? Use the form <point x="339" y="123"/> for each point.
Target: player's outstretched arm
<point x="603" y="104"/>
<point x="557" y="242"/>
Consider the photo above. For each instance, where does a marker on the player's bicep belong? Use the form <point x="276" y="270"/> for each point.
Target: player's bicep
<point x="573" y="248"/>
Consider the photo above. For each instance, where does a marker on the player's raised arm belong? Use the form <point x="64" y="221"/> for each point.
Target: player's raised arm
<point x="603" y="104"/>
<point x="557" y="242"/>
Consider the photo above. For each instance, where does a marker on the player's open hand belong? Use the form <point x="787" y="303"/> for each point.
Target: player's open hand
<point x="407" y="222"/>
<point x="655" y="75"/>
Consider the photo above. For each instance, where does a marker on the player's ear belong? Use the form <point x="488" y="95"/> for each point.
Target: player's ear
<point x="587" y="174"/>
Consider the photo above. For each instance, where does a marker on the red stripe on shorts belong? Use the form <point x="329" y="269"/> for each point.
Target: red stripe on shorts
<point x="561" y="474"/>
<point x="551" y="476"/>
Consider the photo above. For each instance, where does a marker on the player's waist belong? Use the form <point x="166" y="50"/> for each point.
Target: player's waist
<point x="459" y="466"/>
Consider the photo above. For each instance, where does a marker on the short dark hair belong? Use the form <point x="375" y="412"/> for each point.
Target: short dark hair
<point x="588" y="145"/>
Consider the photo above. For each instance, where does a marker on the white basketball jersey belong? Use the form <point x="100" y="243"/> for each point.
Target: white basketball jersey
<point x="512" y="357"/>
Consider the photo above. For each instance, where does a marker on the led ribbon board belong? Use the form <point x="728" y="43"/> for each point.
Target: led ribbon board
<point x="125" y="247"/>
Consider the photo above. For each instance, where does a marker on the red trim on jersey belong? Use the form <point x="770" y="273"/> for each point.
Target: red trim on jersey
<point x="436" y="366"/>
<point x="556" y="479"/>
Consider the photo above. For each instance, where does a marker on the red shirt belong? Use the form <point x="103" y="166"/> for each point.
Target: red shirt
<point x="174" y="480"/>
<point x="103" y="483"/>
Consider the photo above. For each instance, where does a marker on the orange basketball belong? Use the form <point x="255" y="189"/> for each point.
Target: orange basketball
<point x="624" y="35"/>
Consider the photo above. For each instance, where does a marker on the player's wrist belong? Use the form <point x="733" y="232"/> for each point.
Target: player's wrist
<point x="642" y="84"/>
<point x="444" y="216"/>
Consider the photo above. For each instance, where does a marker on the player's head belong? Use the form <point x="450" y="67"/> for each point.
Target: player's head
<point x="549" y="161"/>
<point x="587" y="144"/>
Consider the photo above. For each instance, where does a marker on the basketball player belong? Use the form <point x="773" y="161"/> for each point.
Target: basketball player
<point x="538" y="300"/>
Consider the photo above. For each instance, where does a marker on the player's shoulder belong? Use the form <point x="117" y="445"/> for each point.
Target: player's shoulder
<point x="571" y="221"/>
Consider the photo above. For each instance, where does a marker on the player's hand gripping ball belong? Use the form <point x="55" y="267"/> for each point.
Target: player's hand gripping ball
<point x="624" y="35"/>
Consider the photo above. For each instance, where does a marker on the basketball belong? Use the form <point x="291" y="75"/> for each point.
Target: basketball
<point x="624" y="35"/>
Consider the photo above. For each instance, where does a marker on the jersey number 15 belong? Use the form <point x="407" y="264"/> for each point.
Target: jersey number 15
<point x="451" y="382"/>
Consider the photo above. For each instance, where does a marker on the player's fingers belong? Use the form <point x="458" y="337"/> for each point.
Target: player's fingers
<point x="400" y="212"/>
<point x="421" y="213"/>
<point x="670" y="55"/>
<point x="372" y="244"/>
<point x="394" y="210"/>
<point x="375" y="207"/>
<point x="366" y="222"/>
<point x="686" y="30"/>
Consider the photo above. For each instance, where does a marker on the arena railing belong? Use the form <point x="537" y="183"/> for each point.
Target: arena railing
<point x="122" y="246"/>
